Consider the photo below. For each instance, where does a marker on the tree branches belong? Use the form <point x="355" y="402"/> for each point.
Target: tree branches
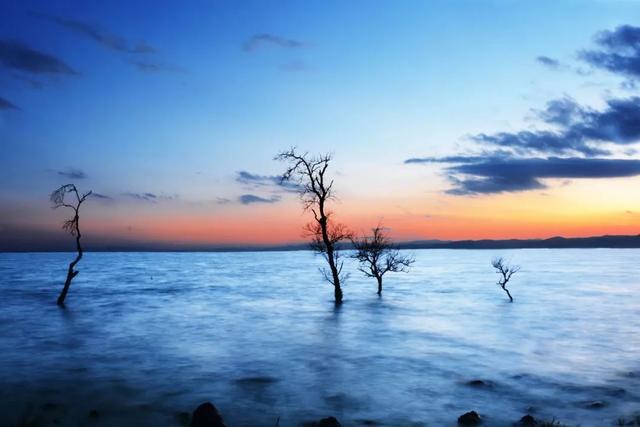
<point x="377" y="256"/>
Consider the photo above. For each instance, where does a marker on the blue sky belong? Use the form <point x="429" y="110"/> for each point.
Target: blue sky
<point x="221" y="87"/>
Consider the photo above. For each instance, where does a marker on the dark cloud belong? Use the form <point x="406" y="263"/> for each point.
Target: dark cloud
<point x="147" y="197"/>
<point x="248" y="199"/>
<point x="258" y="40"/>
<point x="554" y="64"/>
<point x="72" y="173"/>
<point x="498" y="174"/>
<point x="526" y="142"/>
<point x="15" y="55"/>
<point x="7" y="105"/>
<point x="580" y="129"/>
<point x="101" y="196"/>
<point x="619" y="51"/>
<point x="248" y="178"/>
<point x="98" y="35"/>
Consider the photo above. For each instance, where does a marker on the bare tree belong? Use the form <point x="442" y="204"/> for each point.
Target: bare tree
<point x="59" y="199"/>
<point x="506" y="271"/>
<point x="378" y="256"/>
<point x="308" y="173"/>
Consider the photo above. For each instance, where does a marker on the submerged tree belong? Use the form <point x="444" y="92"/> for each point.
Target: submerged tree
<point x="506" y="271"/>
<point x="377" y="256"/>
<point x="308" y="173"/>
<point x="59" y="199"/>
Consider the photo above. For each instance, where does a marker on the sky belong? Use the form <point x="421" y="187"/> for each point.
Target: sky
<point x="446" y="119"/>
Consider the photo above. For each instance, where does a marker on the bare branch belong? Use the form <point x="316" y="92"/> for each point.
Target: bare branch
<point x="377" y="255"/>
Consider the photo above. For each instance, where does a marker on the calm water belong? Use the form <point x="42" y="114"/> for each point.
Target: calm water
<point x="148" y="335"/>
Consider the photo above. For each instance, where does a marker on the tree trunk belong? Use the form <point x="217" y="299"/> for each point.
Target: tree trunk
<point x="508" y="294"/>
<point x="71" y="273"/>
<point x="330" y="253"/>
<point x="379" y="278"/>
<point x="337" y="292"/>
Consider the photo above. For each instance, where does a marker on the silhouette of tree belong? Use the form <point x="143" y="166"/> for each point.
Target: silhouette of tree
<point x="506" y="271"/>
<point x="377" y="256"/>
<point x="59" y="199"/>
<point x="308" y="173"/>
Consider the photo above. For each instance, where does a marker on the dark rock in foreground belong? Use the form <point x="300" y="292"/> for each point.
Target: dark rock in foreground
<point x="329" y="422"/>
<point x="527" y="421"/>
<point x="206" y="415"/>
<point x="469" y="419"/>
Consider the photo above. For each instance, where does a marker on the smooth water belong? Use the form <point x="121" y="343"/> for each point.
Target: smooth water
<point x="146" y="336"/>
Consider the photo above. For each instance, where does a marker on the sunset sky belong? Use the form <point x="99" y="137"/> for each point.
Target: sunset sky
<point x="446" y="119"/>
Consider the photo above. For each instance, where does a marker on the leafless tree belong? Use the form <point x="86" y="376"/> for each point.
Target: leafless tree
<point x="505" y="271"/>
<point x="308" y="173"/>
<point x="378" y="256"/>
<point x="60" y="198"/>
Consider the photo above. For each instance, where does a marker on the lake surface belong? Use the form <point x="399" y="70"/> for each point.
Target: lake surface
<point x="146" y="336"/>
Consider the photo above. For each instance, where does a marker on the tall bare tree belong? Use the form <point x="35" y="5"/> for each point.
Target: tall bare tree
<point x="316" y="189"/>
<point x="505" y="271"/>
<point x="377" y="256"/>
<point x="60" y="198"/>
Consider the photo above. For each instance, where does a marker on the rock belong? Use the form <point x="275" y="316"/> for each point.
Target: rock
<point x="596" y="404"/>
<point x="206" y="415"/>
<point x="479" y="384"/>
<point x="527" y="421"/>
<point x="469" y="419"/>
<point x="329" y="422"/>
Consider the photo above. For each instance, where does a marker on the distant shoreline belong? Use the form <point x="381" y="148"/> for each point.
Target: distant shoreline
<point x="595" y="242"/>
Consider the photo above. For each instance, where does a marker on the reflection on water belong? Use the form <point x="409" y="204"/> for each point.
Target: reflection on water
<point x="146" y="336"/>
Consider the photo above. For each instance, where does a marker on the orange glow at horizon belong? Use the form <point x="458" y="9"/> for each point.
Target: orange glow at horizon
<point x="585" y="209"/>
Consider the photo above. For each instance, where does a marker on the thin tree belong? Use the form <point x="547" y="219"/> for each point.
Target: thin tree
<point x="59" y="199"/>
<point x="377" y="256"/>
<point x="505" y="271"/>
<point x="309" y="174"/>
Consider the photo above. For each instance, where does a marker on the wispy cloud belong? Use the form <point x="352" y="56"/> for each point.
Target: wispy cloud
<point x="248" y="199"/>
<point x="265" y="39"/>
<point x="548" y="62"/>
<point x="98" y="35"/>
<point x="275" y="181"/>
<point x="72" y="173"/>
<point x="7" y="105"/>
<point x="15" y="55"/>
<point x="101" y="196"/>
<point x="149" y="197"/>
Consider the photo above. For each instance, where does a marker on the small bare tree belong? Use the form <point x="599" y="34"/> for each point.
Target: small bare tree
<point x="378" y="256"/>
<point x="59" y="199"/>
<point x="308" y="173"/>
<point x="506" y="271"/>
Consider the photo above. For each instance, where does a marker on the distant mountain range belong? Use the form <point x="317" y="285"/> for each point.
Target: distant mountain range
<point x="63" y="244"/>
<point x="551" y="243"/>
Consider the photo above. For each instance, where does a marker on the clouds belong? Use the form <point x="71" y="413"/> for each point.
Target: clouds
<point x="249" y="199"/>
<point x="554" y="64"/>
<point x="575" y="142"/>
<point x="581" y="130"/>
<point x="7" y="105"/>
<point x="17" y="56"/>
<point x="619" y="51"/>
<point x="98" y="35"/>
<point x="275" y="181"/>
<point x="258" y="41"/>
<point x="71" y="173"/>
<point x="502" y="173"/>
